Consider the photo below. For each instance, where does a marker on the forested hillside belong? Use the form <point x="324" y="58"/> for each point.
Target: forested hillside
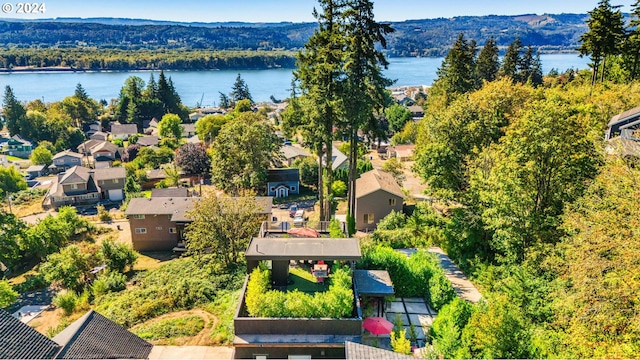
<point x="430" y="37"/>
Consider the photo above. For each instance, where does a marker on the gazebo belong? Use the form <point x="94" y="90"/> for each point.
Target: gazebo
<point x="280" y="251"/>
<point x="374" y="284"/>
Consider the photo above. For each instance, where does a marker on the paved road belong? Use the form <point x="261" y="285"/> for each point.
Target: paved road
<point x="463" y="287"/>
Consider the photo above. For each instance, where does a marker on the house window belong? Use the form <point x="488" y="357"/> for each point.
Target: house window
<point x="115" y="181"/>
<point x="158" y="228"/>
<point x="392" y="202"/>
<point x="273" y="188"/>
<point x="141" y="230"/>
<point x="293" y="188"/>
<point x="74" y="186"/>
<point x="138" y="216"/>
<point x="172" y="230"/>
<point x="74" y="160"/>
<point x="368" y="218"/>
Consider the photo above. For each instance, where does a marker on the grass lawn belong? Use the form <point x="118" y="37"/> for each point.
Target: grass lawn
<point x="15" y="158"/>
<point x="305" y="282"/>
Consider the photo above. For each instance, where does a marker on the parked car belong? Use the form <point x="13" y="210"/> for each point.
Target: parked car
<point x="292" y="210"/>
<point x="298" y="219"/>
<point x="88" y="211"/>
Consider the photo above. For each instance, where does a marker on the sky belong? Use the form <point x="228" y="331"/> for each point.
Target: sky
<point x="292" y="10"/>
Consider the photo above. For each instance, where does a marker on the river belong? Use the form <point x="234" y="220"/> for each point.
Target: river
<point x="204" y="87"/>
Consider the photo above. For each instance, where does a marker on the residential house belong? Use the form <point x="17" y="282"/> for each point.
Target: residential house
<point x="83" y="186"/>
<point x="123" y="131"/>
<point x="150" y="127"/>
<point x="148" y="141"/>
<point x="103" y="153"/>
<point x="93" y="336"/>
<point x="292" y="153"/>
<point x="188" y="130"/>
<point x="18" y="146"/>
<point x="65" y="160"/>
<point x="281" y="338"/>
<point x="35" y="171"/>
<point x="153" y="178"/>
<point x="91" y="128"/>
<point x="283" y="182"/>
<point x="628" y="120"/>
<point x="158" y="223"/>
<point x="85" y="147"/>
<point x="401" y="152"/>
<point x="417" y="112"/>
<point x="340" y="160"/>
<point x="377" y="194"/>
<point x="99" y="135"/>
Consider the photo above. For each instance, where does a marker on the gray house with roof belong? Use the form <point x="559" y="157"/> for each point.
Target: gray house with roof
<point x="84" y="186"/>
<point x="123" y="131"/>
<point x="65" y="160"/>
<point x="377" y="194"/>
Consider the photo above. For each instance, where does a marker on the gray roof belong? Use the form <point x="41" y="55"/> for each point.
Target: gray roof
<point x="36" y="168"/>
<point x="358" y="351"/>
<point x="156" y="174"/>
<point x="20" y="341"/>
<point x="170" y="192"/>
<point x="88" y="145"/>
<point x="148" y="140"/>
<point x="158" y="205"/>
<point x="194" y="139"/>
<point x="109" y="173"/>
<point x="104" y="145"/>
<point x="624" y="116"/>
<point x="188" y="128"/>
<point x="377" y="180"/>
<point x="338" y="158"/>
<point x="76" y="174"/>
<point x="373" y="282"/>
<point x="290" y="151"/>
<point x="67" y="153"/>
<point x="124" y="129"/>
<point x="93" y="336"/>
<point x="303" y="248"/>
<point x="283" y="175"/>
<point x="264" y="203"/>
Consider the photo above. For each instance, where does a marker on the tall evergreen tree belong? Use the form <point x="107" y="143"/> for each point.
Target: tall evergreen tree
<point x="240" y="90"/>
<point x="604" y="38"/>
<point x="320" y="106"/>
<point x="488" y="62"/>
<point x="365" y="83"/>
<point x="13" y="111"/>
<point x="632" y="42"/>
<point x="511" y="60"/>
<point x="456" y="73"/>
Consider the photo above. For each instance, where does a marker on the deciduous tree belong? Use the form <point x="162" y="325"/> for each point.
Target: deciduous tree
<point x="41" y="156"/>
<point x="193" y="159"/>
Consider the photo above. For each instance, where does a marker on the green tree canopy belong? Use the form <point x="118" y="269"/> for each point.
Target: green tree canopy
<point x="11" y="181"/>
<point x="169" y="127"/>
<point x="208" y="127"/>
<point x="41" y="155"/>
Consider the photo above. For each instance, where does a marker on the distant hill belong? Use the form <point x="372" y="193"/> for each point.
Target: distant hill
<point x="429" y="37"/>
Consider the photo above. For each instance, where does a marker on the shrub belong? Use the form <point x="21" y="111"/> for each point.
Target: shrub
<point x="67" y="301"/>
<point x="7" y="294"/>
<point x="440" y="290"/>
<point x="53" y="331"/>
<point x="400" y="343"/>
<point x="261" y="301"/>
<point x="335" y="230"/>
<point x="103" y="214"/>
<point x="446" y="330"/>
<point x="395" y="220"/>
<point x="338" y="188"/>
<point x="112" y="281"/>
<point x="118" y="256"/>
<point x="170" y="328"/>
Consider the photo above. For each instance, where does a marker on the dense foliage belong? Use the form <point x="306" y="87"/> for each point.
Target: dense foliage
<point x="178" y="285"/>
<point x="170" y="328"/>
<point x="337" y="302"/>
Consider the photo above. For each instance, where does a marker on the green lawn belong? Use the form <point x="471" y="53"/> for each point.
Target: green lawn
<point x="15" y="158"/>
<point x="305" y="282"/>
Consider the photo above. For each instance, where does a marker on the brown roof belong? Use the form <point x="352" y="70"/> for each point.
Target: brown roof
<point x="376" y="180"/>
<point x="148" y="141"/>
<point x="104" y="145"/>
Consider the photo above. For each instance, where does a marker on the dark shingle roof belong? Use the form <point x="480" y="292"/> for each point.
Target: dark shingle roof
<point x="124" y="129"/>
<point x="77" y="174"/>
<point x="110" y="173"/>
<point x="365" y="352"/>
<point x="283" y="175"/>
<point x="93" y="336"/>
<point x="19" y="341"/>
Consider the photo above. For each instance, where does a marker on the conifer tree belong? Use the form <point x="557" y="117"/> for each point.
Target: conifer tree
<point x="13" y="111"/>
<point x="457" y="73"/>
<point x="364" y="82"/>
<point x="240" y="90"/>
<point x="604" y="38"/>
<point x="511" y="60"/>
<point x="488" y="63"/>
<point x="632" y="42"/>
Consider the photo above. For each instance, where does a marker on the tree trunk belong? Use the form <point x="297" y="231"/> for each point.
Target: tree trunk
<point x="320" y="182"/>
<point x="353" y="166"/>
<point x="604" y="63"/>
<point x="329" y="182"/>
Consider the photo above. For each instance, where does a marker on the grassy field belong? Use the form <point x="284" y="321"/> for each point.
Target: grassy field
<point x="304" y="281"/>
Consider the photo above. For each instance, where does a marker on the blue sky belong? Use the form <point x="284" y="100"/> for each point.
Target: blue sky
<point x="300" y="10"/>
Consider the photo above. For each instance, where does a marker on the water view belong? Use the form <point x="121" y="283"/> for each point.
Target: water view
<point x="204" y="86"/>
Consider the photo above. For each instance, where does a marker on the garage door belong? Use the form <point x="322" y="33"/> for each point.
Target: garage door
<point x="115" y="195"/>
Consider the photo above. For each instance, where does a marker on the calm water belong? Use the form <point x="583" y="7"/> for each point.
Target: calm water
<point x="206" y="85"/>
